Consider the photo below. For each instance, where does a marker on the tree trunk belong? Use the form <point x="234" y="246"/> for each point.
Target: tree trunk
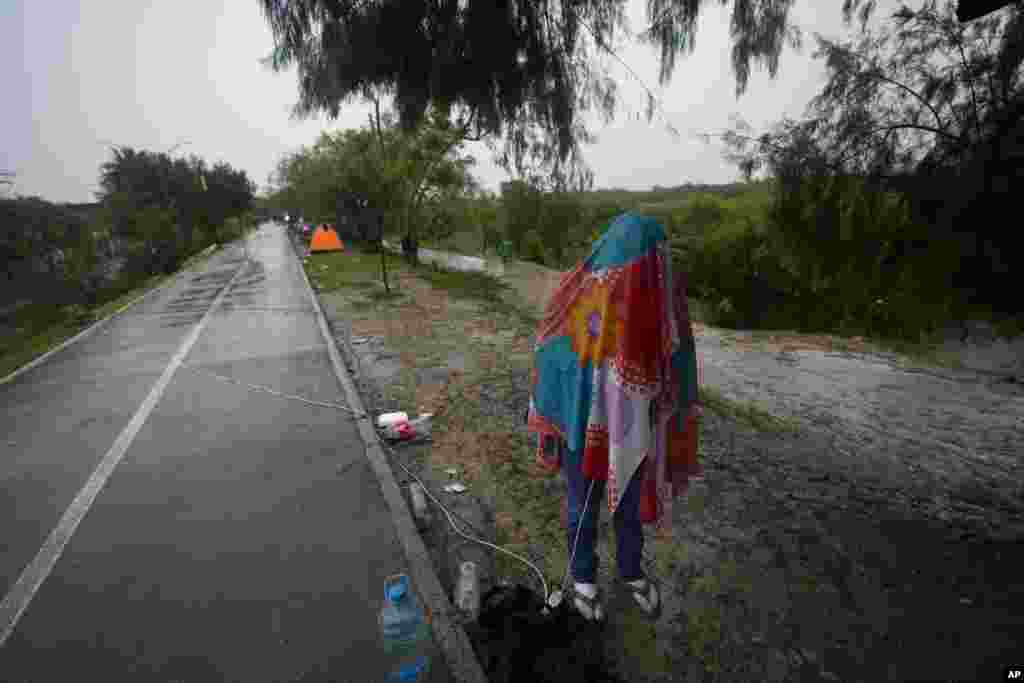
<point x="417" y="196"/>
<point x="384" y="267"/>
<point x="410" y="249"/>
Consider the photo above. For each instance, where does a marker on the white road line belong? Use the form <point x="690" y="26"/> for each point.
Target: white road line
<point x="18" y="598"/>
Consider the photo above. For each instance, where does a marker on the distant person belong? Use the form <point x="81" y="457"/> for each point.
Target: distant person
<point x="614" y="401"/>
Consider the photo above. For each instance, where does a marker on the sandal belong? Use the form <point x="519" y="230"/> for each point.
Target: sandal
<point x="590" y="609"/>
<point x="647" y="597"/>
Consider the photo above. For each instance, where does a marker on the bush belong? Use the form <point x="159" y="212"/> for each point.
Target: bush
<point x="833" y="255"/>
<point x="561" y="217"/>
<point x="735" y="268"/>
<point x="703" y="213"/>
<point x="599" y="217"/>
<point x="490" y="235"/>
<point x="83" y="274"/>
<point x="533" y="248"/>
<point x="520" y="210"/>
<point x="851" y="247"/>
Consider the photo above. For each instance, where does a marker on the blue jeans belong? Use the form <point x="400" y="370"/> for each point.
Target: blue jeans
<point x="629" y="536"/>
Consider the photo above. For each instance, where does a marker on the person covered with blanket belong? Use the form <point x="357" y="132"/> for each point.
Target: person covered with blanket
<point x="614" y="400"/>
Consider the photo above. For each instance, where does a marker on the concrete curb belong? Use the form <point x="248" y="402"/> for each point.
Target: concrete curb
<point x="38" y="360"/>
<point x="450" y="637"/>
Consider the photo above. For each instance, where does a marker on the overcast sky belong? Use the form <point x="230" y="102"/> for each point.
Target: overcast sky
<point x="152" y="75"/>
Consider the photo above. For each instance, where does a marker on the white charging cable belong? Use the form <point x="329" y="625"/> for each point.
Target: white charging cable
<point x="551" y="599"/>
<point x="451" y="521"/>
<point x="555" y="599"/>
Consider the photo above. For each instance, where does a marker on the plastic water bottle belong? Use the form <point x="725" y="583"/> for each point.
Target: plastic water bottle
<point x="467" y="591"/>
<point x="420" y="511"/>
<point x="405" y="632"/>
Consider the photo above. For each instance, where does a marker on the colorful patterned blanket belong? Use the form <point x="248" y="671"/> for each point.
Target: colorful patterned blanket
<point x="615" y="372"/>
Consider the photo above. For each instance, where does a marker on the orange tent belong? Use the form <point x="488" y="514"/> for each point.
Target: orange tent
<point x="325" y="239"/>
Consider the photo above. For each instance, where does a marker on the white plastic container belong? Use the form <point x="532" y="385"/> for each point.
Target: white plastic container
<point x="386" y="420"/>
<point x="467" y="591"/>
<point x="419" y="506"/>
<point x="407" y="430"/>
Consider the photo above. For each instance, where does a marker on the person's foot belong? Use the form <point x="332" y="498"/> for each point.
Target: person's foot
<point x="646" y="595"/>
<point x="587" y="600"/>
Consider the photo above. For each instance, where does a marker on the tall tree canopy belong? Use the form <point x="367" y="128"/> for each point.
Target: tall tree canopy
<point x="927" y="106"/>
<point x="922" y="92"/>
<point x="522" y="70"/>
<point x="159" y="200"/>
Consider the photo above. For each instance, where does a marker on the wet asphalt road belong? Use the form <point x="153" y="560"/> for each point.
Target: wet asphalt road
<point x="242" y="536"/>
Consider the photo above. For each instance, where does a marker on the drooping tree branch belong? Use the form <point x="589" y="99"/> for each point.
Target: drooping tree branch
<point x="917" y="126"/>
<point x="970" y="84"/>
<point x="874" y="71"/>
<point x="521" y="64"/>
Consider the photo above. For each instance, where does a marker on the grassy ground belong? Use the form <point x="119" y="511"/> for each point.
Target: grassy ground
<point x="748" y="414"/>
<point x="431" y="316"/>
<point x="40" y="327"/>
<point x="337" y="269"/>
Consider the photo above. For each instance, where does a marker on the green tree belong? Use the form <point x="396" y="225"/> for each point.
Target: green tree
<point x="562" y="217"/>
<point x="138" y="186"/>
<point x="912" y="142"/>
<point x="482" y="213"/>
<point x="408" y="175"/>
<point x="521" y="211"/>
